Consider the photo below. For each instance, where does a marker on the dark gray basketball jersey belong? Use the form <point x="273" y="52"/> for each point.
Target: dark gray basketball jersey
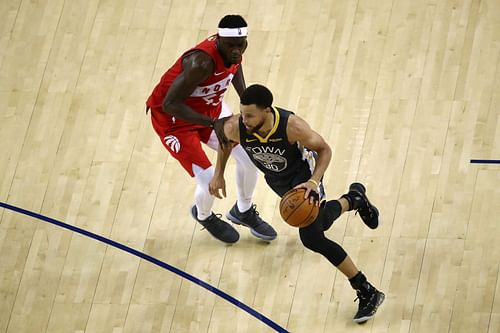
<point x="274" y="155"/>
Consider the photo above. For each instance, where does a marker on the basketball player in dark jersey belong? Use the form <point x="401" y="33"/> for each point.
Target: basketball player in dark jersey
<point x="291" y="154"/>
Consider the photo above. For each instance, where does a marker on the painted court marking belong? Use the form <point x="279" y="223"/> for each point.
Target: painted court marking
<point x="152" y="260"/>
<point x="485" y="161"/>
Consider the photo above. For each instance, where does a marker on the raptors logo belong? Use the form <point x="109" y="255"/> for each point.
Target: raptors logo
<point x="173" y="143"/>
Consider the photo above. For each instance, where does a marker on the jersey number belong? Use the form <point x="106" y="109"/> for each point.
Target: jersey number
<point x="213" y="99"/>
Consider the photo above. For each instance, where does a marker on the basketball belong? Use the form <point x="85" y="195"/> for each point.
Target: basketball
<point x="297" y="211"/>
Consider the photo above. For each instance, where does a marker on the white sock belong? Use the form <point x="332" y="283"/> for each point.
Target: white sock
<point x="202" y="198"/>
<point x="246" y="178"/>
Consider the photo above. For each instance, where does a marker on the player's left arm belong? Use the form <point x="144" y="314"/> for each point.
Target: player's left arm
<point x="298" y="130"/>
<point x="239" y="80"/>
<point x="230" y="126"/>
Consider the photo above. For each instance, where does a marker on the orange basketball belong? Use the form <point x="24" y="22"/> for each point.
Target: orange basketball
<point x="297" y="211"/>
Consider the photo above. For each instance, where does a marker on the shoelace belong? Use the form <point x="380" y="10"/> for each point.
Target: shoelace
<point x="252" y="212"/>
<point x="368" y="210"/>
<point x="216" y="215"/>
<point x="364" y="306"/>
<point x="362" y="298"/>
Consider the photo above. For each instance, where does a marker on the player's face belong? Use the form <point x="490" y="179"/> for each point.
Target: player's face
<point x="232" y="48"/>
<point x="253" y="117"/>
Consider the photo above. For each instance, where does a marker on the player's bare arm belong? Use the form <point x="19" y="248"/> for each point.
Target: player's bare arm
<point x="239" y="81"/>
<point x="197" y="67"/>
<point x="298" y="130"/>
<point x="232" y="128"/>
<point x="217" y="186"/>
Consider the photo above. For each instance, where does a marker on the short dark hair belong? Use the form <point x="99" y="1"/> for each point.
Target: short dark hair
<point x="257" y="94"/>
<point x="232" y="21"/>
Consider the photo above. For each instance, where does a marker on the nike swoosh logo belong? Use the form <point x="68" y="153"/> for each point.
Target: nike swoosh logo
<point x="217" y="74"/>
<point x="250" y="140"/>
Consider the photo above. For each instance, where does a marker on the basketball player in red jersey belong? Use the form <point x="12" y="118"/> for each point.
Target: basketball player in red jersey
<point x="185" y="107"/>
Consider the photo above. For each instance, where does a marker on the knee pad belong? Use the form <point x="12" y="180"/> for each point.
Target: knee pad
<point x="317" y="242"/>
<point x="313" y="238"/>
<point x="329" y="212"/>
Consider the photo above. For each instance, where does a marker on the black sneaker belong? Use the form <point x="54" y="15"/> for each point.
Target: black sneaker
<point x="251" y="219"/>
<point x="368" y="305"/>
<point x="218" y="228"/>
<point x="359" y="201"/>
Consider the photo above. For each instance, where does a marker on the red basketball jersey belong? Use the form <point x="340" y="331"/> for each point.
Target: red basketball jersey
<point x="205" y="99"/>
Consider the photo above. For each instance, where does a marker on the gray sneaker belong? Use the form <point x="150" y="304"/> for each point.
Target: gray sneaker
<point x="251" y="219"/>
<point x="218" y="228"/>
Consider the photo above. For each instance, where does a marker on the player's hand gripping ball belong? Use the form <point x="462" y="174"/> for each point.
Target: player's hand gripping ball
<point x="296" y="210"/>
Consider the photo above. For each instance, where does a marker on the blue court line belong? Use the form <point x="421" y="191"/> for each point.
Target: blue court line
<point x="485" y="161"/>
<point x="152" y="260"/>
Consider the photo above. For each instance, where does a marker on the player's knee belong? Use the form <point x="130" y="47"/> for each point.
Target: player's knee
<point x="329" y="212"/>
<point x="320" y="244"/>
<point x="311" y="241"/>
<point x="203" y="176"/>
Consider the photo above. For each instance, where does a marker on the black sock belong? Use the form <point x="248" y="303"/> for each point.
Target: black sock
<point x="349" y="200"/>
<point x="361" y="284"/>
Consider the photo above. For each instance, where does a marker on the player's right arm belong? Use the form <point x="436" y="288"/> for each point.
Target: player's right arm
<point x="196" y="68"/>
<point x="298" y="130"/>
<point x="217" y="186"/>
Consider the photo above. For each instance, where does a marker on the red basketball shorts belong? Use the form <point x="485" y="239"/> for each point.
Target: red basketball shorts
<point x="184" y="144"/>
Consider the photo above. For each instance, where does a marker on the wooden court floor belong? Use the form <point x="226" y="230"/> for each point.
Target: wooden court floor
<point x="406" y="93"/>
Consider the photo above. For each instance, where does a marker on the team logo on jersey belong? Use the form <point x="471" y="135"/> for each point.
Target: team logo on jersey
<point x="269" y="157"/>
<point x="173" y="143"/>
<point x="214" y="88"/>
